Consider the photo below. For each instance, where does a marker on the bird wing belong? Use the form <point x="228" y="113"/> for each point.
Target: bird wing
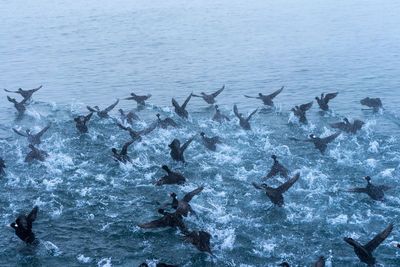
<point x="123" y="127"/>
<point x="30" y="156"/>
<point x="124" y="150"/>
<point x="204" y="236"/>
<point x="154" y="224"/>
<point x="190" y="237"/>
<point x="35" y="89"/>
<point x="218" y="92"/>
<point x="91" y="109"/>
<point x="39" y="134"/>
<point x="186" y="101"/>
<point x="277" y="92"/>
<point x="257" y="186"/>
<point x="378" y="239"/>
<point x="175" y="104"/>
<point x="235" y="110"/>
<point x="305" y="107"/>
<point x="19" y="133"/>
<point x="357" y="190"/>
<point x="250" y="96"/>
<point x="338" y="125"/>
<point x="32" y="216"/>
<point x="285" y="187"/>
<point x="331" y="137"/>
<point x="87" y="118"/>
<point x="300" y="140"/>
<point x="112" y="106"/>
<point x="190" y="195"/>
<point x="171" y="122"/>
<point x="8" y="91"/>
<point x="330" y="96"/>
<point x="149" y="129"/>
<point x="385" y="187"/>
<point x="185" y="145"/>
<point x="251" y="114"/>
<point x="132" y="115"/>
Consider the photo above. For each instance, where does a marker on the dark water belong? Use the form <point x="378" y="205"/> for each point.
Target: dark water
<point x="97" y="51"/>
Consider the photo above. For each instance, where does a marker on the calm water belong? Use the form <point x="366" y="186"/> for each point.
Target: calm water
<point x="94" y="52"/>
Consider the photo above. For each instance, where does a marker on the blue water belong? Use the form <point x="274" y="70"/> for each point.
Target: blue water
<point x="93" y="52"/>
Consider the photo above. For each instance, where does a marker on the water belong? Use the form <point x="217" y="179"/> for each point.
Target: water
<point x="93" y="53"/>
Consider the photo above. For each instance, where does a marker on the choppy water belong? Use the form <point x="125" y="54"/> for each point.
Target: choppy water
<point x="96" y="52"/>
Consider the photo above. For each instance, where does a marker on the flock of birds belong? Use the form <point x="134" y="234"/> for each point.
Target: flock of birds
<point x="201" y="239"/>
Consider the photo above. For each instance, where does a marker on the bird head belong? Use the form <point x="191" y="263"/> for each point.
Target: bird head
<point x="312" y="136"/>
<point x="202" y="134"/>
<point x="114" y="150"/>
<point x="173" y="195"/>
<point x="273" y="157"/>
<point x="165" y="167"/>
<point x="367" y="178"/>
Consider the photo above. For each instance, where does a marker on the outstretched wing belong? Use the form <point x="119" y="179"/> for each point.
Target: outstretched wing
<point x="250" y="96"/>
<point x="91" y="109"/>
<point x="123" y="127"/>
<point x="251" y="114"/>
<point x="378" y="239"/>
<point x="357" y="190"/>
<point x="149" y="129"/>
<point x="175" y="104"/>
<point x="36" y="89"/>
<point x="8" y="91"/>
<point x="338" y="125"/>
<point x="171" y="122"/>
<point x="386" y="187"/>
<point x="190" y="195"/>
<point x="285" y="187"/>
<point x="19" y="133"/>
<point x="87" y="118"/>
<point x="331" y="137"/>
<point x="190" y="237"/>
<point x="32" y="216"/>
<point x="218" y="92"/>
<point x="112" y="106"/>
<point x="185" y="145"/>
<point x="300" y="140"/>
<point x="257" y="186"/>
<point x="154" y="224"/>
<point x="277" y="92"/>
<point x="205" y="237"/>
<point x="186" y="101"/>
<point x="330" y="96"/>
<point x="235" y="110"/>
<point x="306" y="107"/>
<point x="124" y="150"/>
<point x="39" y="134"/>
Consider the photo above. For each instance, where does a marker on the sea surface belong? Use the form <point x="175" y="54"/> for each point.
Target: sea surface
<point x="94" y="52"/>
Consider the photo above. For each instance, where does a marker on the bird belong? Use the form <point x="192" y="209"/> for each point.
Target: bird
<point x="2" y="166"/>
<point x="23" y="227"/>
<point x="364" y="252"/>
<point x="173" y="220"/>
<point x="181" y="110"/>
<point x="347" y="126"/>
<point x="244" y="123"/>
<point x="267" y="99"/>
<point x="320" y="143"/>
<point x="177" y="150"/>
<point x="158" y="264"/>
<point x="20" y="106"/>
<point x="200" y="239"/>
<point x="130" y="117"/>
<point x="323" y="101"/>
<point x="320" y="262"/>
<point x="276" y="169"/>
<point x="210" y="99"/>
<point x="170" y="178"/>
<point x="373" y="191"/>
<point x="276" y="194"/>
<point x="218" y="116"/>
<point x="182" y="206"/>
<point x="26" y="94"/>
<point x="81" y="122"/>
<point x="123" y="155"/>
<point x="374" y="103"/>
<point x="137" y="135"/>
<point x="300" y="112"/>
<point x="33" y="139"/>
<point x="102" y="113"/>
<point x="165" y="122"/>
<point x="210" y="142"/>
<point x="35" y="153"/>
<point x="140" y="99"/>
<point x="284" y="264"/>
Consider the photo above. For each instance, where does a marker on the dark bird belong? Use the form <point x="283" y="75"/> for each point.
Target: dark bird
<point x="81" y="122"/>
<point x="165" y="122"/>
<point x="123" y="155"/>
<point x="210" y="142"/>
<point x="137" y="135"/>
<point x="347" y="126"/>
<point x="102" y="113"/>
<point x="276" y="194"/>
<point x="323" y="101"/>
<point x="300" y="112"/>
<point x="181" y="110"/>
<point x="20" y="106"/>
<point x="159" y="264"/>
<point x="375" y="192"/>
<point x="320" y="143"/>
<point x="177" y="150"/>
<point x="174" y="220"/>
<point x="277" y="169"/>
<point x="2" y="166"/>
<point x="23" y="227"/>
<point x="200" y="239"/>
<point x="284" y="264"/>
<point x="140" y="99"/>
<point x="218" y="116"/>
<point x="170" y="178"/>
<point x="33" y="139"/>
<point x="244" y="123"/>
<point x="130" y="117"/>
<point x="320" y="262"/>
<point x="210" y="99"/>
<point x="374" y="103"/>
<point x="35" y="153"/>
<point x="267" y="99"/>
<point x="26" y="94"/>
<point x="182" y="206"/>
<point x="364" y="253"/>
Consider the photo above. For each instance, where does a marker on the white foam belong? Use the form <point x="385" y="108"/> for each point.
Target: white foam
<point x="106" y="262"/>
<point x="83" y="259"/>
